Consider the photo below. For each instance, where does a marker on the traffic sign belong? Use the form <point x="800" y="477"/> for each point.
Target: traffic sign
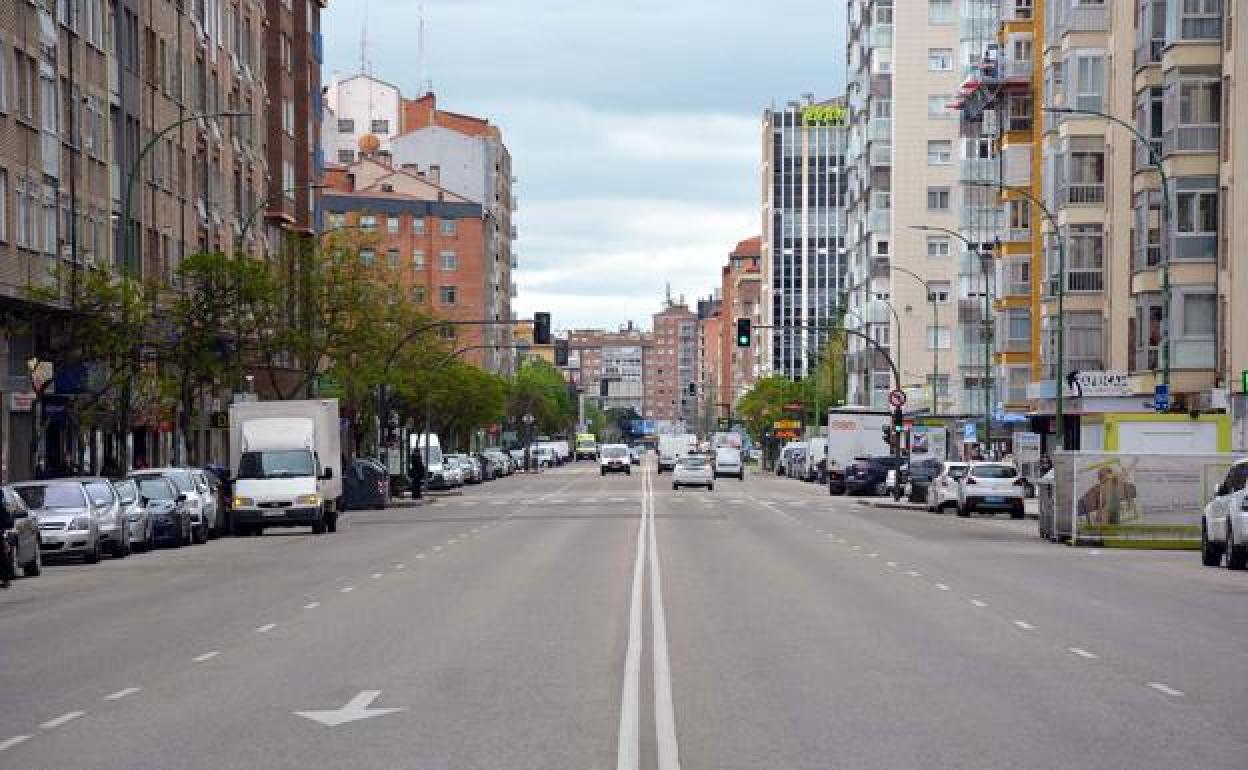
<point x="897" y="398"/>
<point x="788" y="425"/>
<point x="794" y="406"/>
<point x="1161" y="398"/>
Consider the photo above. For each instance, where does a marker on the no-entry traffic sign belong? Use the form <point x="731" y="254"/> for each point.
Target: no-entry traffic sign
<point x="897" y="399"/>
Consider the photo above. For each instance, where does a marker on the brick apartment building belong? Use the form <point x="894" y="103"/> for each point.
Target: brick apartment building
<point x="740" y="293"/>
<point x="672" y="366"/>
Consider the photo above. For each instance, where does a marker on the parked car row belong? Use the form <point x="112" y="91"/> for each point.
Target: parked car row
<point x="977" y="487"/>
<point x="88" y="517"/>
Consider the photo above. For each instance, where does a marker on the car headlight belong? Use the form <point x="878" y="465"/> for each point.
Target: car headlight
<point x="80" y="523"/>
<point x="308" y="500"/>
<point x="244" y="502"/>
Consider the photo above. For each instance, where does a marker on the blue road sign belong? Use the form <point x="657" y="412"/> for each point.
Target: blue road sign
<point x="1161" y="398"/>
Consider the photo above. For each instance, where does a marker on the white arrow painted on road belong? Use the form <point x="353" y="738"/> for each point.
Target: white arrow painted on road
<point x="356" y="709"/>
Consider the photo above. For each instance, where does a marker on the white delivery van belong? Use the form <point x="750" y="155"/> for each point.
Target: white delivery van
<point x="286" y="462"/>
<point x="672" y="447"/>
<point x="430" y="449"/>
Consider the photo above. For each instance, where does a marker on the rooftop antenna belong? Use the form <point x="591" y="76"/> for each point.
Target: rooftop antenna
<point x="422" y="80"/>
<point x="364" y="42"/>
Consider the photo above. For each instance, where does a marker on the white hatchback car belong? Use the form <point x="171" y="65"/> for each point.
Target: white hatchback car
<point x="942" y="492"/>
<point x="693" y="470"/>
<point x="1224" y="525"/>
<point x="991" y="487"/>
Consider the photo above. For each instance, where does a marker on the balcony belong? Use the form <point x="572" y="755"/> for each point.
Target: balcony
<point x="880" y="129"/>
<point x="882" y="155"/>
<point x="1193" y="138"/>
<point x="880" y="36"/>
<point x="1014" y="277"/>
<point x="1144" y="153"/>
<point x="971" y="356"/>
<point x="984" y="222"/>
<point x="978" y="169"/>
<point x="1018" y="69"/>
<point x="1149" y="52"/>
<point x="1089" y="280"/>
<point x="1018" y="123"/>
<point x="1013" y="10"/>
<point x="1017" y="235"/>
<point x="1084" y="18"/>
<point x="1083" y="194"/>
<point x="879" y="221"/>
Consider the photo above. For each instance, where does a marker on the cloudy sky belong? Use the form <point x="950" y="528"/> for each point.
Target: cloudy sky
<point x="633" y="125"/>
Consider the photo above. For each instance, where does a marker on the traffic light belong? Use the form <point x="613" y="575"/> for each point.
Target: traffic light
<point x="886" y="432"/>
<point x="743" y="333"/>
<point x="561" y="352"/>
<point x="541" y="328"/>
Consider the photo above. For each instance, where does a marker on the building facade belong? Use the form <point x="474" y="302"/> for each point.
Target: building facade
<point x="803" y="186"/>
<point x="709" y="387"/>
<point x="740" y="291"/>
<point x="671" y="368"/>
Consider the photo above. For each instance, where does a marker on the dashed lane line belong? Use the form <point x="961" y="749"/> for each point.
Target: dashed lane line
<point x="378" y="575"/>
<point x="1166" y="689"/>
<point x="1084" y="653"/>
<point x="122" y="693"/>
<point x="978" y="603"/>
<point x="266" y="628"/>
<point x="347" y="589"/>
<point x="942" y="587"/>
<point x="311" y="605"/>
<point x="9" y="743"/>
<point x="63" y="719"/>
<point x="1024" y="625"/>
<point x="207" y="656"/>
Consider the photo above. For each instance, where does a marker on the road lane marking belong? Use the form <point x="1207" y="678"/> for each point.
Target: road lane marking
<point x="664" y="712"/>
<point x="873" y="555"/>
<point x="420" y="556"/>
<point x="436" y="548"/>
<point x="122" y="693"/>
<point x="913" y="573"/>
<point x="378" y="576"/>
<point x="1024" y="625"/>
<point x="942" y="586"/>
<point x="978" y="603"/>
<point x="890" y="564"/>
<point x="856" y="548"/>
<point x="452" y="541"/>
<point x="9" y="743"/>
<point x="66" y="718"/>
<point x="347" y="589"/>
<point x="400" y="565"/>
<point x="267" y="627"/>
<point x="207" y="656"/>
<point x="1084" y="653"/>
<point x="1166" y="689"/>
<point x="501" y="502"/>
<point x="311" y="605"/>
<point x="628" y="747"/>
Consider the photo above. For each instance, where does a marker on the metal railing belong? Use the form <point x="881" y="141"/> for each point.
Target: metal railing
<point x="1195" y="138"/>
<point x="1083" y="194"/>
<point x="1085" y="280"/>
<point x="880" y="36"/>
<point x="880" y="129"/>
<point x="978" y="169"/>
<point x="882" y="154"/>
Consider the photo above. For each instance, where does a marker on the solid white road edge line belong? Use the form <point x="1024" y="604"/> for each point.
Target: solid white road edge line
<point x="52" y="724"/>
<point x="664" y="712"/>
<point x="628" y="748"/>
<point x="122" y="693"/>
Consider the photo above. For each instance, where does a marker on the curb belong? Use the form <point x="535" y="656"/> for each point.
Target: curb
<point x="917" y="507"/>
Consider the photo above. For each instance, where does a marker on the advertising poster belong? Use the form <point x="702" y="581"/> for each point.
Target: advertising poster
<point x="927" y="442"/>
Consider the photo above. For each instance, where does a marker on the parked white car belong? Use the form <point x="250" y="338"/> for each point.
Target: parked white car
<point x="991" y="487"/>
<point x="943" y="491"/>
<point x="693" y="470"/>
<point x="1224" y="525"/>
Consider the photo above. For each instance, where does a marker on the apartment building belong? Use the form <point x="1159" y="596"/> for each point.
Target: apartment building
<point x="906" y="66"/>
<point x="426" y="243"/>
<point x="461" y="153"/>
<point x="803" y="207"/>
<point x="610" y="365"/>
<point x="1232" y="266"/>
<point x="671" y="367"/>
<point x="709" y="387"/>
<point x="740" y="292"/>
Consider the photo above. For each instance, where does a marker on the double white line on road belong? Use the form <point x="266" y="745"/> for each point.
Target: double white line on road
<point x="628" y="753"/>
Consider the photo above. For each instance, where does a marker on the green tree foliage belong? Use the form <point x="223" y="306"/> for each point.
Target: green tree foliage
<point x="764" y="403"/>
<point x="540" y="390"/>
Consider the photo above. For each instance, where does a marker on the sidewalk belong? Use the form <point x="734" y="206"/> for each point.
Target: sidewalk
<point x="1031" y="506"/>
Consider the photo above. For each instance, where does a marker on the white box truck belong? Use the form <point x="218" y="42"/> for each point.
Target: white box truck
<point x="673" y="446"/>
<point x="853" y="433"/>
<point x="286" y="463"/>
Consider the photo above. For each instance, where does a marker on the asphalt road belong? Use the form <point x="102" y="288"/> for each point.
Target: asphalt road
<point x="566" y="620"/>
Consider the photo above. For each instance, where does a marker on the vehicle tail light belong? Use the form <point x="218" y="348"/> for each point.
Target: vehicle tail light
<point x="1019" y="482"/>
<point x="970" y="480"/>
<point x="1243" y="504"/>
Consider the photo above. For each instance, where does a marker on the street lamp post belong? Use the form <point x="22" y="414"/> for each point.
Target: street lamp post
<point x="931" y="298"/>
<point x="1156" y="159"/>
<point x="1059" y="372"/>
<point x="130" y="262"/>
<point x="987" y="379"/>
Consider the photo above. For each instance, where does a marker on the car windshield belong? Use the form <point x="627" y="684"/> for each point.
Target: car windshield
<point x="994" y="472"/>
<point x="693" y="461"/>
<point x="615" y="452"/>
<point x="52" y="496"/>
<point x="277" y="464"/>
<point x="127" y="491"/>
<point x="156" y="488"/>
<point x="956" y="471"/>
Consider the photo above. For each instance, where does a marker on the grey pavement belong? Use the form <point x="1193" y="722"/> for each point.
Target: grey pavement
<point x="533" y="623"/>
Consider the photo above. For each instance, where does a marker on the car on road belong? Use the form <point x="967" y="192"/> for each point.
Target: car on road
<point x="138" y="523"/>
<point x="197" y="494"/>
<point x="210" y="500"/>
<point x="365" y="484"/>
<point x="500" y="461"/>
<point x="869" y="475"/>
<point x="918" y="477"/>
<point x="991" y="487"/>
<point x="468" y="466"/>
<point x="613" y="458"/>
<point x="942" y="491"/>
<point x="106" y="506"/>
<point x="634" y="455"/>
<point x="23" y="538"/>
<point x="67" y="524"/>
<point x="1224" y="523"/>
<point x="693" y="470"/>
<point x="167" y="513"/>
<point x="728" y="462"/>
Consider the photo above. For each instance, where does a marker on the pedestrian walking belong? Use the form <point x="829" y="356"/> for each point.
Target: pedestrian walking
<point x="416" y="471"/>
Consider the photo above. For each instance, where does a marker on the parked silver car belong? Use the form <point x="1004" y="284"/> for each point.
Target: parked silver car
<point x="24" y="536"/>
<point x="67" y="526"/>
<point x="138" y="521"/>
<point x="200" y="501"/>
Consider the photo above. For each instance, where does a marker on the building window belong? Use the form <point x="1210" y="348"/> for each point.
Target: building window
<point x="380" y="127"/>
<point x="939" y="152"/>
<point x="938" y="247"/>
<point x="392" y="259"/>
<point x="938" y="291"/>
<point x="938" y="199"/>
<point x="1089" y="81"/>
<point x="5" y="78"/>
<point x="938" y="106"/>
<point x="418" y="259"/>
<point x="1200" y="19"/>
<point x="346" y="157"/>
<point x="392" y="225"/>
<point x="448" y="261"/>
<point x="346" y="126"/>
<point x="940" y="11"/>
<point x="1198" y="315"/>
<point x="368" y="257"/>
<point x="448" y="295"/>
<point x="4" y="205"/>
<point x="939" y="338"/>
<point x="1085" y="258"/>
<point x="446" y="227"/>
<point x="939" y="59"/>
<point x="418" y="225"/>
<point x="368" y="223"/>
<point x="418" y="295"/>
<point x="335" y="221"/>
